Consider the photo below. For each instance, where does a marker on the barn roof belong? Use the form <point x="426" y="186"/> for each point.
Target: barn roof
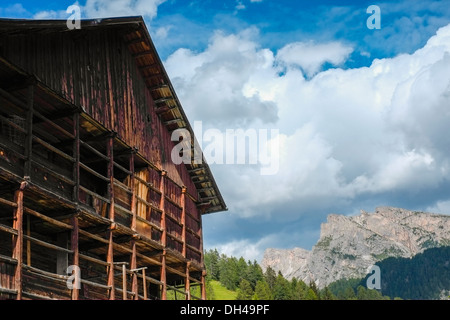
<point x="142" y="48"/>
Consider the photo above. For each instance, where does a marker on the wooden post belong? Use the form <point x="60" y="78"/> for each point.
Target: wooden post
<point x="144" y="283"/>
<point x="110" y="261"/>
<point x="164" y="237"/>
<point x="18" y="239"/>
<point x="202" y="257"/>
<point x="187" y="286"/>
<point x="183" y="219"/>
<point x="134" y="279"/>
<point x="163" y="276"/>
<point x="161" y="206"/>
<point x="110" y="147"/>
<point x="74" y="248"/>
<point x="133" y="190"/>
<point x="110" y="255"/>
<point x="203" y="284"/>
<point x="124" y="281"/>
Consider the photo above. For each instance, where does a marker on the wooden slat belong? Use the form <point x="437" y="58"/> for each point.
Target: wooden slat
<point x="122" y="186"/>
<point x="54" y="125"/>
<point x="13" y="99"/>
<point x="93" y="172"/>
<point x="47" y="245"/>
<point x="95" y="195"/>
<point x="55" y="174"/>
<point x="8" y="203"/>
<point x="193" y="248"/>
<point x="122" y="168"/>
<point x="151" y="224"/>
<point x="98" y="153"/>
<point x="46" y="274"/>
<point x="8" y="291"/>
<point x="48" y="219"/>
<point x="52" y="148"/>
<point x="8" y="259"/>
<point x="94" y="260"/>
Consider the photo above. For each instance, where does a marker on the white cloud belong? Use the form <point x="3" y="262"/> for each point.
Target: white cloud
<point x="107" y="8"/>
<point x="112" y="8"/>
<point x="211" y="82"/>
<point x="13" y="10"/>
<point x="442" y="207"/>
<point x="248" y="249"/>
<point x="240" y="5"/>
<point x="311" y="56"/>
<point x="344" y="133"/>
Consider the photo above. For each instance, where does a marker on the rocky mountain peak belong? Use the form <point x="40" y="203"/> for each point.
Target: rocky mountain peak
<point x="349" y="245"/>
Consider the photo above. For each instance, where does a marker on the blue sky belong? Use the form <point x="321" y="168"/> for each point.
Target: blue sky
<point x="362" y="113"/>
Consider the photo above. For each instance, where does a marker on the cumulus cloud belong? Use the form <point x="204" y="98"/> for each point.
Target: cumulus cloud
<point x="14" y="10"/>
<point x="211" y="82"/>
<point x="107" y="8"/>
<point x="344" y="134"/>
<point x="112" y="8"/>
<point x="311" y="56"/>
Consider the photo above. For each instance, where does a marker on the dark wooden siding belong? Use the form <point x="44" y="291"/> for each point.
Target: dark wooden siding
<point x="96" y="70"/>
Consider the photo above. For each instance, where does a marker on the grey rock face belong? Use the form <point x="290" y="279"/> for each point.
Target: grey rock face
<point x="349" y="245"/>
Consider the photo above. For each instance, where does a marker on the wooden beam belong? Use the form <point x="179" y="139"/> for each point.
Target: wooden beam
<point x="163" y="276"/>
<point x="134" y="279"/>
<point x="183" y="219"/>
<point x="161" y="206"/>
<point x="188" y="282"/>
<point x="110" y="268"/>
<point x="18" y="240"/>
<point x="76" y="254"/>
<point x="48" y="219"/>
<point x="47" y="245"/>
<point x="203" y="288"/>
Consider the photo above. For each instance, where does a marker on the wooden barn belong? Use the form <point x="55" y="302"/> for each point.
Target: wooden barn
<point x="91" y="205"/>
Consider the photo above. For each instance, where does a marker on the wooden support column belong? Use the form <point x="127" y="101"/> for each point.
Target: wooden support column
<point x="161" y="207"/>
<point x="183" y="219"/>
<point x="18" y="239"/>
<point x="133" y="266"/>
<point x="203" y="286"/>
<point x="133" y="190"/>
<point x="29" y="129"/>
<point x="110" y="261"/>
<point x="110" y="255"/>
<point x="163" y="237"/>
<point x="110" y="155"/>
<point x="187" y="284"/>
<point x="144" y="283"/>
<point x="202" y="257"/>
<point x="124" y="281"/>
<point x="133" y="262"/>
<point x="163" y="276"/>
<point x="76" y="257"/>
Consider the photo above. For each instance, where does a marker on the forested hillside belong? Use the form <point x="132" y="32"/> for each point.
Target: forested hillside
<point x="425" y="276"/>
<point x="251" y="283"/>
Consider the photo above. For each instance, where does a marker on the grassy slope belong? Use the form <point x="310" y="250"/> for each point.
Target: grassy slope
<point x="222" y="293"/>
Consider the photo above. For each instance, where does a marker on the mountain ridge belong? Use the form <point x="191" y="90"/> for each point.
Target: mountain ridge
<point x="349" y="245"/>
